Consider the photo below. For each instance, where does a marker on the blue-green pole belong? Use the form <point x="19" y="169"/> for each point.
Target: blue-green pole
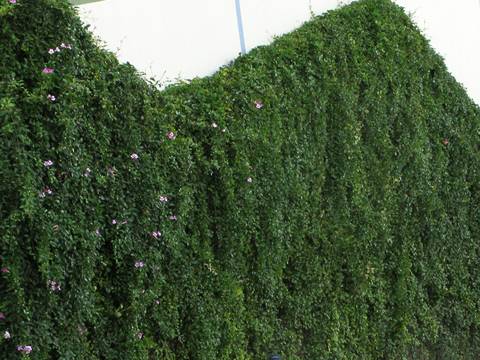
<point x="240" y="27"/>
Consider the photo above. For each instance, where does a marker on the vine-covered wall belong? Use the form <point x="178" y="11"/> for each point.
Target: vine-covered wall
<point x="317" y="198"/>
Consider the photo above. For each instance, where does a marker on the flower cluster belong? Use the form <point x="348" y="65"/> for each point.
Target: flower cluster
<point x="171" y="135"/>
<point x="26" y="349"/>
<point x="139" y="264"/>
<point x="46" y="191"/>
<point x="58" y="48"/>
<point x="163" y="199"/>
<point x="53" y="285"/>
<point x="258" y="104"/>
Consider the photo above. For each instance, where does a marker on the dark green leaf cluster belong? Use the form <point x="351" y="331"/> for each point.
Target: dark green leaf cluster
<point x="318" y="197"/>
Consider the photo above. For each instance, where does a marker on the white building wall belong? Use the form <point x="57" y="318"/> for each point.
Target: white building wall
<point x="188" y="38"/>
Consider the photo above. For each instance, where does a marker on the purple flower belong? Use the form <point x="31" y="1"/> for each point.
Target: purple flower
<point x="249" y="179"/>
<point x="53" y="285"/>
<point x="47" y="70"/>
<point x="156" y="234"/>
<point x="163" y="199"/>
<point x="48" y="163"/>
<point x="134" y="156"/>
<point x="2" y="316"/>
<point x="6" y="335"/>
<point x="26" y="349"/>
<point x="114" y="222"/>
<point x="51" y="97"/>
<point x="46" y="191"/>
<point x="139" y="264"/>
<point x="4" y="270"/>
<point x="172" y="217"/>
<point x="258" y="104"/>
<point x="171" y="135"/>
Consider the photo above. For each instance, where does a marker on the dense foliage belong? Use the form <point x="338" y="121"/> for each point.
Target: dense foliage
<point x="318" y="198"/>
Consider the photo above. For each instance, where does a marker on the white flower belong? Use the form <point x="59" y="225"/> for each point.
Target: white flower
<point x="214" y="125"/>
<point x="6" y="335"/>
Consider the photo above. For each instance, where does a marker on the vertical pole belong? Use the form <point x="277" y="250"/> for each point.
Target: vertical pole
<point x="240" y="27"/>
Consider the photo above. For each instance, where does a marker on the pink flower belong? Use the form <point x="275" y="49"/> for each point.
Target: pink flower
<point x="171" y="135"/>
<point x="51" y="97"/>
<point x="2" y="316"/>
<point x="4" y="270"/>
<point x="114" y="222"/>
<point x="172" y="217"/>
<point x="6" y="335"/>
<point x="134" y="156"/>
<point x="26" y="349"/>
<point x="12" y="1"/>
<point x="48" y="70"/>
<point x="156" y="234"/>
<point x="51" y="51"/>
<point x="48" y="163"/>
<point x="258" y="104"/>
<point x="249" y="179"/>
<point x="139" y="264"/>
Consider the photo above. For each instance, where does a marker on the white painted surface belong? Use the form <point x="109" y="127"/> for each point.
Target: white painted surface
<point x="188" y="38"/>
